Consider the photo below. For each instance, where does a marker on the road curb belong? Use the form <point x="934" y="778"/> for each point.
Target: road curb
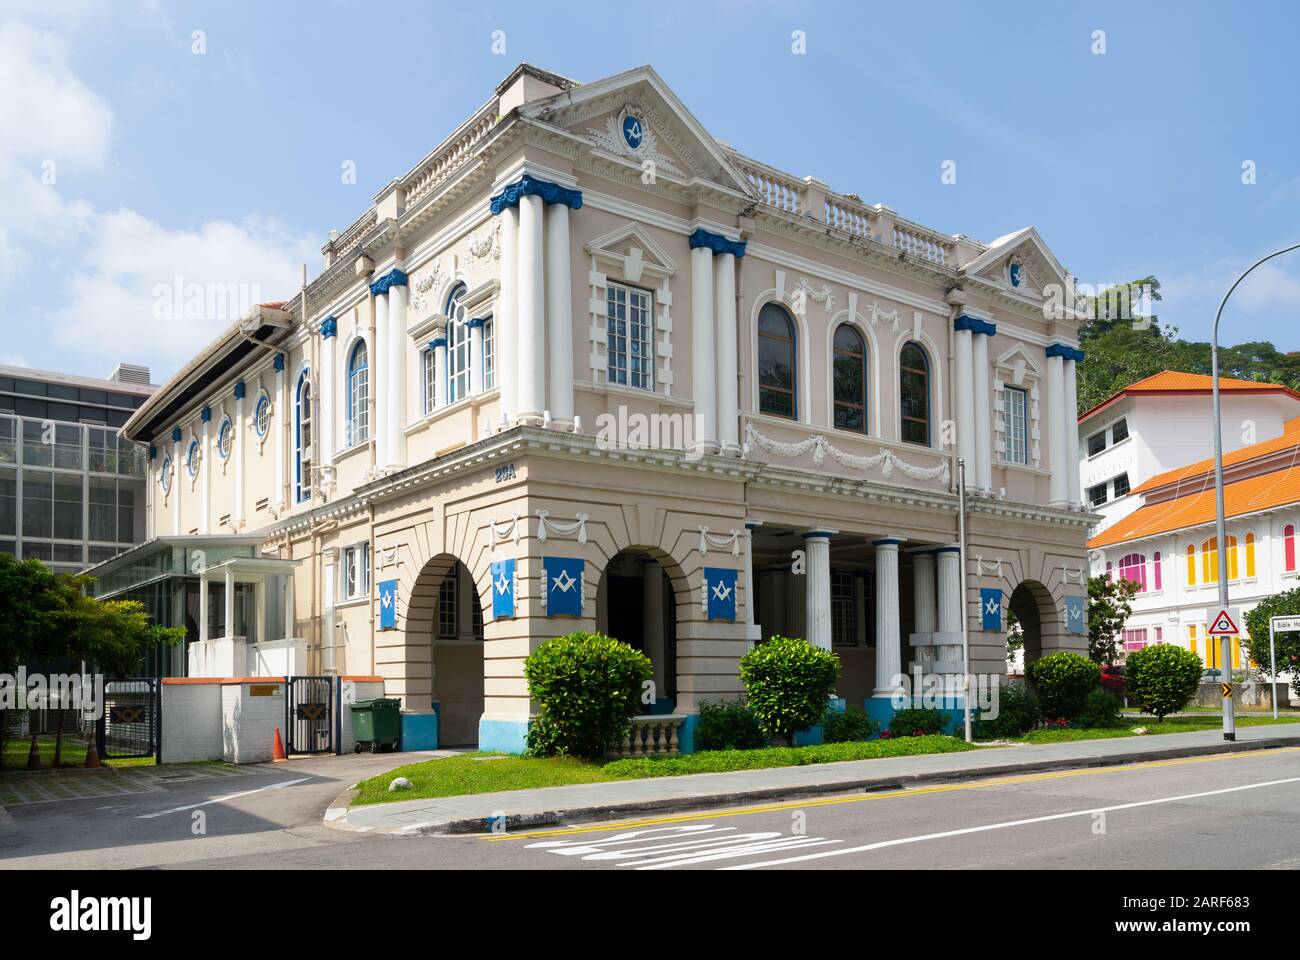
<point x="336" y="816"/>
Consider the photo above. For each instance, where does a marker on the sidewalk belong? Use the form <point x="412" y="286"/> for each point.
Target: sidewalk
<point x="604" y="801"/>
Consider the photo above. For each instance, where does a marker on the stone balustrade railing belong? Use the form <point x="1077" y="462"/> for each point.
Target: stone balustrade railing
<point x="448" y="157"/>
<point x="774" y="188"/>
<point x="651" y="735"/>
<point x="925" y="244"/>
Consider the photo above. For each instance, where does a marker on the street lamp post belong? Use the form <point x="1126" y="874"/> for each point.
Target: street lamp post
<point x="1220" y="524"/>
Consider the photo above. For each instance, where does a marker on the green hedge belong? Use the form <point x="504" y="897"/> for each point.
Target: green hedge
<point x="587" y="687"/>
<point x="1062" y="683"/>
<point x="1163" y="678"/>
<point x="729" y="725"/>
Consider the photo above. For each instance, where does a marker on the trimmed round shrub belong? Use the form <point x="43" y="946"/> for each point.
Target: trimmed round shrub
<point x="787" y="683"/>
<point x="587" y="687"/>
<point x="918" y="722"/>
<point x="1101" y="709"/>
<point x="1018" y="712"/>
<point x="729" y="725"/>
<point x="1062" y="683"/>
<point x="1163" y="678"/>
<point x="848" y="726"/>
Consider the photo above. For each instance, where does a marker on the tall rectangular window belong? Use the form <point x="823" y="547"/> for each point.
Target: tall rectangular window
<point x="629" y="321"/>
<point x="843" y="622"/>
<point x="430" y="379"/>
<point x="1016" y="412"/>
<point x="489" y="356"/>
<point x="447" y="606"/>
<point x="356" y="571"/>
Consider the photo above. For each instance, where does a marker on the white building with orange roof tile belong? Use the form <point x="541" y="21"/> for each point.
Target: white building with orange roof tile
<point x="1162" y="423"/>
<point x="1165" y="539"/>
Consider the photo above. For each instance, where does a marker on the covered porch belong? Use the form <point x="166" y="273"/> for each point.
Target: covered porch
<point x="254" y="596"/>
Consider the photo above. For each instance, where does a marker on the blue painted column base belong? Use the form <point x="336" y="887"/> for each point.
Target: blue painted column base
<point x="881" y="710"/>
<point x="502" y="736"/>
<point x="686" y="735"/>
<point x="815" y="735"/>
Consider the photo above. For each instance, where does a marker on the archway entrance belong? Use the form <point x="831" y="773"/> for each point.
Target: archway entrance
<point x="635" y="604"/>
<point x="445" y="613"/>
<point x="1031" y="602"/>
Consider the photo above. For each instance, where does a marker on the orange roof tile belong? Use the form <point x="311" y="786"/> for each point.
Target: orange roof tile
<point x="1206" y="466"/>
<point x="1176" y="381"/>
<point x="1196" y="508"/>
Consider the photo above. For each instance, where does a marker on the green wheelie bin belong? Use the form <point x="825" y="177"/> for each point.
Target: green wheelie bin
<point x="377" y="722"/>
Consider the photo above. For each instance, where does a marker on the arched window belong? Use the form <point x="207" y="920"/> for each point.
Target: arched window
<point x="914" y="394"/>
<point x="1110" y="572"/>
<point x="458" y="358"/>
<point x="1133" y="566"/>
<point x="850" y="372"/>
<point x="1191" y="564"/>
<point x="1157" y="575"/>
<point x="1288" y="548"/>
<point x="302" y="439"/>
<point x="1210" y="561"/>
<point x="358" y="395"/>
<point x="777" y="351"/>
<point x="1250" y="555"/>
<point x="1233" y="570"/>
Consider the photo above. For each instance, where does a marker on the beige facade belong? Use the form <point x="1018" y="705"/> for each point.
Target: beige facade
<point x="580" y="374"/>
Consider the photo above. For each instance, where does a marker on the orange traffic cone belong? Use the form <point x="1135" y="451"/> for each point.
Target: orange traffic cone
<point x="277" y="750"/>
<point x="92" y="753"/>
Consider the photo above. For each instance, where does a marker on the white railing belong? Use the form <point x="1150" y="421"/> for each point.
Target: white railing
<point x="449" y="157"/>
<point x="860" y="221"/>
<point x="351" y="237"/>
<point x="773" y="187"/>
<point x="924" y="244"/>
<point x="651" y="735"/>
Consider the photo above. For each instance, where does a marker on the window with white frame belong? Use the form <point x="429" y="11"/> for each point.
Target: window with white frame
<point x="458" y="358"/>
<point x="1016" y="417"/>
<point x="430" y="358"/>
<point x="356" y="571"/>
<point x="303" y="439"/>
<point x="489" y="356"/>
<point x="1120" y="485"/>
<point x="358" y="395"/>
<point x="843" y="622"/>
<point x="629" y="317"/>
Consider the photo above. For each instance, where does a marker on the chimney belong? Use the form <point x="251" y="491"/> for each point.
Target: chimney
<point x="130" y="373"/>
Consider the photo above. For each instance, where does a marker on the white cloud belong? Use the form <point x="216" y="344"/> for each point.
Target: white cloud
<point x="92" y="278"/>
<point x="1263" y="306"/>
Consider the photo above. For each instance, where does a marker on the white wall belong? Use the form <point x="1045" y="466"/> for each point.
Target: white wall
<point x="191" y="722"/>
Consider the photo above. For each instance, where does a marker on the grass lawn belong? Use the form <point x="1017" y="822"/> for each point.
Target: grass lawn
<point x="73" y="754"/>
<point x="1170" y="725"/>
<point x="489" y="773"/>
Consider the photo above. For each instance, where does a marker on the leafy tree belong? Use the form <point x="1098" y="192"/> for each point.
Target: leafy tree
<point x="1015" y="636"/>
<point x="787" y="683"/>
<point x="1062" y="682"/>
<point x="1163" y="678"/>
<point x="1110" y="602"/>
<point x="1286" y="645"/>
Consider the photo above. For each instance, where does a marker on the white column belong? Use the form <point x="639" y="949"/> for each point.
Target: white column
<point x="964" y="402"/>
<point x="889" y="657"/>
<point x="229" y="604"/>
<point x="949" y="577"/>
<point x="703" y="366"/>
<point x="378" y="375"/>
<point x="476" y="355"/>
<point x="287" y="617"/>
<point x="724" y="288"/>
<point x="652" y="623"/>
<point x="817" y="545"/>
<point x="532" y="309"/>
<point x="1059" y="487"/>
<point x="983" y="414"/>
<point x="205" y="481"/>
<point x="328" y="415"/>
<point x="559" y="314"/>
<point x="395" y="376"/>
<point x="923" y="594"/>
<point x="176" y="486"/>
<point x="1070" y="430"/>
<point x="203" y="605"/>
<point x="753" y="632"/>
<point x="506" y="320"/>
<point x="329" y="557"/>
<point x="240" y="429"/>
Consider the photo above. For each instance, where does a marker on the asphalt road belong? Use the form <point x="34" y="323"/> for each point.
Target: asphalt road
<point x="1225" y="812"/>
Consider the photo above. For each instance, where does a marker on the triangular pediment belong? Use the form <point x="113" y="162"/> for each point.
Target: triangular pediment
<point x="1018" y="362"/>
<point x="636" y="252"/>
<point x="1020" y="262"/>
<point x="635" y="118"/>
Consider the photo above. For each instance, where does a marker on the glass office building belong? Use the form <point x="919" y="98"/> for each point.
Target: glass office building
<point x="72" y="493"/>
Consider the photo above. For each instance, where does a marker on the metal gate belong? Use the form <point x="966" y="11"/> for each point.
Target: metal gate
<point x="130" y="725"/>
<point x="309" y="715"/>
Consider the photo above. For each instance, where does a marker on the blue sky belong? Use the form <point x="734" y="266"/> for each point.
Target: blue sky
<point x="128" y="160"/>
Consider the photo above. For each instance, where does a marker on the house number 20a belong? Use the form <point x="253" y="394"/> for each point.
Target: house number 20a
<point x="505" y="473"/>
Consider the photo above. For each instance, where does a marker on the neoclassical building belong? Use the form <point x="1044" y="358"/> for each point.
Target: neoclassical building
<point x="586" y="367"/>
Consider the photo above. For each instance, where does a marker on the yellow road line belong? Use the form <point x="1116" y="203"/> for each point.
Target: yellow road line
<point x="906" y="792"/>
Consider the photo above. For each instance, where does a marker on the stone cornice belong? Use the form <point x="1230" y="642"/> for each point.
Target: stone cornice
<point x="716" y="242"/>
<point x="530" y="186"/>
<point x="1065" y="352"/>
<point x="975" y="325"/>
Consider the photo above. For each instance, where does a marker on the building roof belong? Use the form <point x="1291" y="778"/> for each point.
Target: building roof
<point x="1289" y="438"/>
<point x="1175" y="382"/>
<point x="1196" y="507"/>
